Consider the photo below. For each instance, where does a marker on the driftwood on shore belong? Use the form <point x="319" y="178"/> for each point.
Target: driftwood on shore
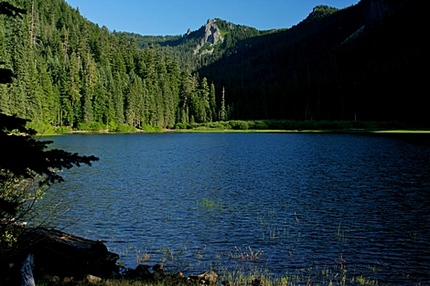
<point x="63" y="254"/>
<point x="41" y="252"/>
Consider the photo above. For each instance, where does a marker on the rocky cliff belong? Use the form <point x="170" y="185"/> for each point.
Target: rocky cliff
<point x="212" y="36"/>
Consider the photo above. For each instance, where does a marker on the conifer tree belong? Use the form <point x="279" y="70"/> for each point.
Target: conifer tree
<point x="212" y="103"/>
<point x="205" y="104"/>
<point x="223" y="111"/>
<point x="117" y="102"/>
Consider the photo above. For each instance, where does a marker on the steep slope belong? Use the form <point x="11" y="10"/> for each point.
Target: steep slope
<point x="345" y="64"/>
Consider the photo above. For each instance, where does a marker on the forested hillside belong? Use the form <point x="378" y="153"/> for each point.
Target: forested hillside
<point x="70" y="72"/>
<point x="196" y="49"/>
<point x="365" y="62"/>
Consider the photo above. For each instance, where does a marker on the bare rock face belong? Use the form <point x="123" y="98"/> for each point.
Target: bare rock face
<point x="211" y="37"/>
<point x="212" y="33"/>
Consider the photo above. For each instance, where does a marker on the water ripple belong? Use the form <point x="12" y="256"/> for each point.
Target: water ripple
<point x="303" y="200"/>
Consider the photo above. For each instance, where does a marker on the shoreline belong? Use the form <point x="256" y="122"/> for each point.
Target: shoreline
<point x="214" y="130"/>
<point x="252" y="126"/>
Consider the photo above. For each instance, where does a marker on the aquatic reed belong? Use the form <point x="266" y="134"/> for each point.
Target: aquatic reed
<point x="247" y="254"/>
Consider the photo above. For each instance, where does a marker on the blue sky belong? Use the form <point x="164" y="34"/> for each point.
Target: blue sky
<point x="174" y="17"/>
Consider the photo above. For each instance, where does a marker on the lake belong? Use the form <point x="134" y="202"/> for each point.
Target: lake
<point x="296" y="203"/>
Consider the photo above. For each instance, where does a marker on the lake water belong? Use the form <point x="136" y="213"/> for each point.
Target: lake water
<point x="291" y="203"/>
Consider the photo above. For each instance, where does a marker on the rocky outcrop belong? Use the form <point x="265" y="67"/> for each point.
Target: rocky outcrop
<point x="212" y="36"/>
<point x="212" y="33"/>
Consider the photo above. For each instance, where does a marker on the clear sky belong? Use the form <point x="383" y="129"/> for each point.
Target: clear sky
<point x="174" y="17"/>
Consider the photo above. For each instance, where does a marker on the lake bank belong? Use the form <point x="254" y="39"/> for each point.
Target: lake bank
<point x="291" y="126"/>
<point x="52" y="257"/>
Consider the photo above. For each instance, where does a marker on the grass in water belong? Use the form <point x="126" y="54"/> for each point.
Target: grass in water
<point x="209" y="204"/>
<point x="247" y="254"/>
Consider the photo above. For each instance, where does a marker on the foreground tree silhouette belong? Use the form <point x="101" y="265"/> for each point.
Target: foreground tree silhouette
<point x="27" y="166"/>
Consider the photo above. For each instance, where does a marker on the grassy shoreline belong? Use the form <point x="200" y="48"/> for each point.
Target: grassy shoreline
<point x="324" y="276"/>
<point x="242" y="126"/>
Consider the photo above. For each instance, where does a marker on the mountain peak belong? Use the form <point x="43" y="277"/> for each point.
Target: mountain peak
<point x="321" y="11"/>
<point x="212" y="36"/>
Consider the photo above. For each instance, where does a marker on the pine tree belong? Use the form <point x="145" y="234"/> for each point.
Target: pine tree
<point x="48" y="94"/>
<point x="90" y="80"/>
<point x="134" y="102"/>
<point x="118" y="98"/>
<point x="212" y="103"/>
<point x="223" y="110"/>
<point x="205" y="104"/>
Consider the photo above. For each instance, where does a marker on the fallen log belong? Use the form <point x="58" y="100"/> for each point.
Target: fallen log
<point x="62" y="254"/>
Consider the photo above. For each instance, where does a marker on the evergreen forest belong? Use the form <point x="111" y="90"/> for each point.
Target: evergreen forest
<point x="366" y="62"/>
<point x="69" y="72"/>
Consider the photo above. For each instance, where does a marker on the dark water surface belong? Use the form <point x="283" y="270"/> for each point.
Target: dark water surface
<point x="300" y="203"/>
